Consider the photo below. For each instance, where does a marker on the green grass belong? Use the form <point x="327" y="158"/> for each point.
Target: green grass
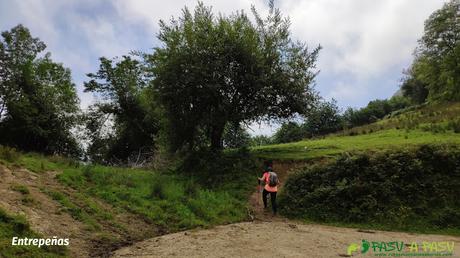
<point x="8" y="155"/>
<point x="176" y="199"/>
<point x="79" y="213"/>
<point x="170" y="201"/>
<point x="445" y="116"/>
<point x="336" y="144"/>
<point x="35" y="162"/>
<point x="17" y="226"/>
<point x="20" y="188"/>
<point x="425" y="124"/>
<point x="39" y="163"/>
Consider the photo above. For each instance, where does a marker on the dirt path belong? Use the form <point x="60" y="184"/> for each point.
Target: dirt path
<point x="268" y="236"/>
<point x="268" y="239"/>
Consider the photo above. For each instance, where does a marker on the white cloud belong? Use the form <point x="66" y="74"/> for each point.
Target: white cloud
<point x="263" y="128"/>
<point x="150" y="12"/>
<point x="346" y="92"/>
<point x="360" y="37"/>
<point x="364" y="41"/>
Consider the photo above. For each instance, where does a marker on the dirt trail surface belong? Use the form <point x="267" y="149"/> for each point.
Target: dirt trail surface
<point x="268" y="236"/>
<point x="268" y="239"/>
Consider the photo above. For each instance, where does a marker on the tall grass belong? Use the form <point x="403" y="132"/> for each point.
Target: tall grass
<point x="173" y="200"/>
<point x="9" y="154"/>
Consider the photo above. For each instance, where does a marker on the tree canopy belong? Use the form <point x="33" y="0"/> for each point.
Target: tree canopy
<point x="38" y="102"/>
<point x="214" y="70"/>
<point x="435" y="72"/>
<point x="125" y="106"/>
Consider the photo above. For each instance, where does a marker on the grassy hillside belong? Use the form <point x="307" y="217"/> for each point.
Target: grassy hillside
<point x="115" y="206"/>
<point x="336" y="144"/>
<point x="436" y="124"/>
<point x="17" y="226"/>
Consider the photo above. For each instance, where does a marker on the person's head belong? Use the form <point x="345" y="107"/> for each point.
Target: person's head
<point x="269" y="169"/>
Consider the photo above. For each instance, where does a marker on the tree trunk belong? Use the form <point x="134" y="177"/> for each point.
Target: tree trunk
<point x="216" y="137"/>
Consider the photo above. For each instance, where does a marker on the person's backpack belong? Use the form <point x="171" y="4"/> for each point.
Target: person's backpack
<point x="272" y="179"/>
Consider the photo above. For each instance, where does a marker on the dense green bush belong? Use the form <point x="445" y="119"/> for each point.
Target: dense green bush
<point x="406" y="189"/>
<point x="289" y="132"/>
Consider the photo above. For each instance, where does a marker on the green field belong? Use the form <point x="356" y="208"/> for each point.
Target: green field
<point x="334" y="145"/>
<point x="435" y="124"/>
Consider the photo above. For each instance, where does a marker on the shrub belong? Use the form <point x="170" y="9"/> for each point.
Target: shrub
<point x="9" y="154"/>
<point x="158" y="189"/>
<point x="454" y="125"/>
<point x="402" y="189"/>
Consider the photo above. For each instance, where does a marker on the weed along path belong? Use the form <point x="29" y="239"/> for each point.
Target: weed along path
<point x="268" y="236"/>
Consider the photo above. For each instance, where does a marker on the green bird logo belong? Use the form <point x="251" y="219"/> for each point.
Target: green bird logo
<point x="365" y="247"/>
<point x="353" y="247"/>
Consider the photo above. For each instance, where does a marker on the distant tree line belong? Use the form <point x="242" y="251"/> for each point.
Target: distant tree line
<point x="326" y="117"/>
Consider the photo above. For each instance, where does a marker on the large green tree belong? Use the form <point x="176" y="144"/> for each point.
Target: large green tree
<point x="289" y="132"/>
<point x="436" y="68"/>
<point x="323" y="119"/>
<point x="214" y="70"/>
<point x="38" y="101"/>
<point x="125" y="109"/>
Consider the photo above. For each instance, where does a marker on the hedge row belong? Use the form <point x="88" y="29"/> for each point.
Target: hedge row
<point x="404" y="188"/>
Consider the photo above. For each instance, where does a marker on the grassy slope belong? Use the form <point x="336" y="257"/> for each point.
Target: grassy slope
<point x="17" y="226"/>
<point x="333" y="145"/>
<point x="168" y="201"/>
<point x="424" y="125"/>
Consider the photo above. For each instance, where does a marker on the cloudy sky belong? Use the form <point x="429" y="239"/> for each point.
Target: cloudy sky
<point x="366" y="43"/>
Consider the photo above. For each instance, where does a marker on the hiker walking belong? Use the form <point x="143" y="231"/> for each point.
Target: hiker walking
<point x="271" y="181"/>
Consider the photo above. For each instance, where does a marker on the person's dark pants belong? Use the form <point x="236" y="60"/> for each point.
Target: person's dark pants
<point x="272" y="198"/>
